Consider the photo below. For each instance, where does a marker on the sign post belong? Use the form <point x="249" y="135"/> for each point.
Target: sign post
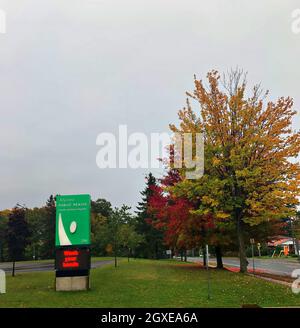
<point x="252" y="241"/>
<point x="258" y="247"/>
<point x="208" y="274"/>
<point x="72" y="242"/>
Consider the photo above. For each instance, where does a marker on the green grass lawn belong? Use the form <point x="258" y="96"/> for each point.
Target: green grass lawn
<point x="147" y="283"/>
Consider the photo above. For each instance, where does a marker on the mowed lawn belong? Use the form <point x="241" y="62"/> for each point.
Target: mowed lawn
<point x="147" y="283"/>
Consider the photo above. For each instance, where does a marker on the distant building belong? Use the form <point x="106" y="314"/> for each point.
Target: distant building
<point x="285" y="244"/>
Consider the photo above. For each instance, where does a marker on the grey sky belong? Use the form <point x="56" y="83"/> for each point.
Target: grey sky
<point x="70" y="69"/>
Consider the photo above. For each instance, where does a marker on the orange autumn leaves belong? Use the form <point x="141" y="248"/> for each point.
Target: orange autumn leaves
<point x="249" y="176"/>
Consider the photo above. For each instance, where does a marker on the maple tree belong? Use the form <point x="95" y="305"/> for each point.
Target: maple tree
<point x="168" y="213"/>
<point x="249" y="179"/>
<point x="183" y="227"/>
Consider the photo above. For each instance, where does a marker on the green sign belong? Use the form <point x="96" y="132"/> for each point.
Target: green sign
<point x="73" y="220"/>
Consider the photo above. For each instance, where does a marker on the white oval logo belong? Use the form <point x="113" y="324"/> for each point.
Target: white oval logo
<point x="73" y="227"/>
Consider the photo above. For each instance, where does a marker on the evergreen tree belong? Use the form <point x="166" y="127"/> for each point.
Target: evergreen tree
<point x="152" y="245"/>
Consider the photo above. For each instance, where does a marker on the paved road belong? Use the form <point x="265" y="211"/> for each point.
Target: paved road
<point x="42" y="266"/>
<point x="275" y="266"/>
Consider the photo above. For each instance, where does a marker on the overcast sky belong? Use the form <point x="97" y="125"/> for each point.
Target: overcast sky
<point x="71" y="69"/>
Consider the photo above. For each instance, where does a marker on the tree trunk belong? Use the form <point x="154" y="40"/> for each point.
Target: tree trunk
<point x="204" y="255"/>
<point x="185" y="256"/>
<point x="242" y="251"/>
<point x="218" y="251"/>
<point x="295" y="240"/>
<point x="115" y="253"/>
<point x="13" y="269"/>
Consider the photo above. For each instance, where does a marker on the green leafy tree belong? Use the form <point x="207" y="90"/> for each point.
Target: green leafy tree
<point x="47" y="226"/>
<point x="117" y="218"/>
<point x="3" y="229"/>
<point x="17" y="235"/>
<point x="37" y="231"/>
<point x="100" y="235"/>
<point x="129" y="238"/>
<point x="101" y="206"/>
